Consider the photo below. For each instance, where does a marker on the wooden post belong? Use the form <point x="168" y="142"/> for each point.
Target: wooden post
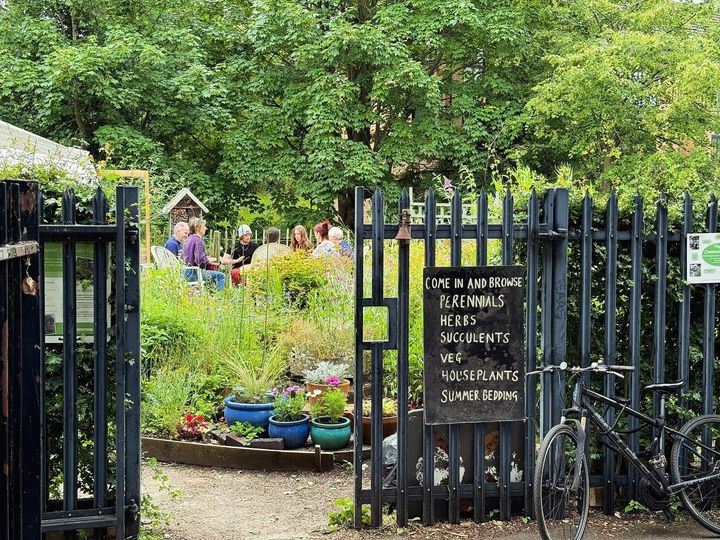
<point x="145" y="175"/>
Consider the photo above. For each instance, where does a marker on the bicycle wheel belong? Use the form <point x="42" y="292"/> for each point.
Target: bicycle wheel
<point x="696" y="454"/>
<point x="561" y="512"/>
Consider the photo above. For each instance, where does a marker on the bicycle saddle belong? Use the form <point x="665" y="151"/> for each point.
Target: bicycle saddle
<point x="665" y="388"/>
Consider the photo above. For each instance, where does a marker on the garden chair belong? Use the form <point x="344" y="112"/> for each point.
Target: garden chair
<point x="164" y="258"/>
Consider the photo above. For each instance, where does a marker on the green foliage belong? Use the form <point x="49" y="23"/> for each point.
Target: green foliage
<point x="389" y="407"/>
<point x="289" y="404"/>
<point x="325" y="370"/>
<point x="330" y="403"/>
<point x="635" y="506"/>
<point x="343" y="517"/>
<point x="628" y="96"/>
<point x="294" y="279"/>
<point x="315" y="336"/>
<point x="289" y="104"/>
<point x="254" y="374"/>
<point x="247" y="430"/>
<point x="165" y="395"/>
<point x="153" y="517"/>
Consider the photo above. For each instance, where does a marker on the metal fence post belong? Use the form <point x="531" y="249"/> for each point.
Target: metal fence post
<point x="132" y="362"/>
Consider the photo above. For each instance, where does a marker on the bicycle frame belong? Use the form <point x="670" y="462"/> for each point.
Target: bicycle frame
<point x="583" y="408"/>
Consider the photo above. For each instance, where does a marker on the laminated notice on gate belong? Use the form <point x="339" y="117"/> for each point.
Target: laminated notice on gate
<point x="703" y="258"/>
<point x="474" y="335"/>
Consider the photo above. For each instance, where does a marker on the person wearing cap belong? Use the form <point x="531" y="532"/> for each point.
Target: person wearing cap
<point x="242" y="253"/>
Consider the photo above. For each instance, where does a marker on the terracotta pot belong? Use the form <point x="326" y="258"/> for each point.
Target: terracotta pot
<point x="344" y="388"/>
<point x="389" y="426"/>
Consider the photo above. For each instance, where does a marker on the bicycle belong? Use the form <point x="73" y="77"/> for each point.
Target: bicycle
<point x="562" y="480"/>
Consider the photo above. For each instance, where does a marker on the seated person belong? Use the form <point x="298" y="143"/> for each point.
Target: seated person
<point x="300" y="240"/>
<point x="180" y="234"/>
<point x="335" y="235"/>
<point x="242" y="253"/>
<point x="271" y="249"/>
<point x="324" y="245"/>
<point x="194" y="255"/>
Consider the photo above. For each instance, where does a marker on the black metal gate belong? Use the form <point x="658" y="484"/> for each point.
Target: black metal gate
<point x="83" y="492"/>
<point x="547" y="238"/>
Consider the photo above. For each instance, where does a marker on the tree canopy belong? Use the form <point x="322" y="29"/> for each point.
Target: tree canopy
<point x="300" y="100"/>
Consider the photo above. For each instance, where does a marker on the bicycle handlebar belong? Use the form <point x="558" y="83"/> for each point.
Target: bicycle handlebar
<point x="595" y="367"/>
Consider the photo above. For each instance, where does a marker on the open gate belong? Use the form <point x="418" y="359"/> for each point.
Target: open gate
<point x="47" y="483"/>
<point x="561" y="257"/>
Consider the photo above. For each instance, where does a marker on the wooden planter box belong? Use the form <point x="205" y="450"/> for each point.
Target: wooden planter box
<point x="211" y="455"/>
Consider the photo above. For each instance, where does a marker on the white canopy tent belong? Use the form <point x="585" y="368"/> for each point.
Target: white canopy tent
<point x="20" y="147"/>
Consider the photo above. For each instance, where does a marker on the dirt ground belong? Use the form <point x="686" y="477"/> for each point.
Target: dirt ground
<point x="234" y="504"/>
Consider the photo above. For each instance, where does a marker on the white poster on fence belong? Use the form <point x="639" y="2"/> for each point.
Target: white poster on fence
<point x="84" y="300"/>
<point x="703" y="260"/>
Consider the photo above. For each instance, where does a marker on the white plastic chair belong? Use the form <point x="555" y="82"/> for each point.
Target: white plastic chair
<point x="164" y="258"/>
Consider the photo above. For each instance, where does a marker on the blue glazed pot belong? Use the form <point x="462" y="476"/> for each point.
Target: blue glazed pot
<point x="330" y="436"/>
<point x="294" y="434"/>
<point x="257" y="414"/>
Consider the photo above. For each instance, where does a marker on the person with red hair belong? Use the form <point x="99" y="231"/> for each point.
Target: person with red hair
<point x="324" y="246"/>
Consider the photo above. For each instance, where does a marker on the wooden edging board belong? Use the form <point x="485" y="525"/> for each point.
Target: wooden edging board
<point x="230" y="457"/>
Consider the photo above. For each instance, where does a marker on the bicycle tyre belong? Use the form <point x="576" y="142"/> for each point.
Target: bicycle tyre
<point x="706" y="510"/>
<point x="561" y="436"/>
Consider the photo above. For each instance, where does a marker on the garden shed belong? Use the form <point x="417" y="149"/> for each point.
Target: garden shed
<point x="183" y="206"/>
<point x="21" y="147"/>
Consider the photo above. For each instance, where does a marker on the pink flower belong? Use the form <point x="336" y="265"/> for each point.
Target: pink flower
<point x="333" y="380"/>
<point x="447" y="184"/>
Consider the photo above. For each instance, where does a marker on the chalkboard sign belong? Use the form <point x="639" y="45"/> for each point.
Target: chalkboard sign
<point x="474" y="338"/>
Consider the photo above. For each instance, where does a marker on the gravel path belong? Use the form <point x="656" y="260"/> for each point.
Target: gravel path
<point x="233" y="504"/>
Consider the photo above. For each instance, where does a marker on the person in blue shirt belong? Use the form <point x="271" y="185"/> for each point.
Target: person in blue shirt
<point x="335" y="235"/>
<point x="180" y="234"/>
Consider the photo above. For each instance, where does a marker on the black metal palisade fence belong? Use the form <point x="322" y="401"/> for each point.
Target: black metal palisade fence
<point x="548" y="239"/>
<point x="28" y="497"/>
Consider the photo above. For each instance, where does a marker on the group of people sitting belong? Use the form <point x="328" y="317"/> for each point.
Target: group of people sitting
<point x="188" y="245"/>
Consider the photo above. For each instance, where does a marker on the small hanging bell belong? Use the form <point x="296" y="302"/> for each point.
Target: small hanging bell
<point x="404" y="233"/>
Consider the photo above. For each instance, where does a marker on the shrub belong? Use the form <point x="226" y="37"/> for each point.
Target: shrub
<point x="309" y="339"/>
<point x="289" y="404"/>
<point x="255" y="373"/>
<point x="331" y="403"/>
<point x="325" y="370"/>
<point x="165" y="395"/>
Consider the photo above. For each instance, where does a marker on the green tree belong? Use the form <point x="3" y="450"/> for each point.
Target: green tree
<point x="375" y="93"/>
<point x="632" y="94"/>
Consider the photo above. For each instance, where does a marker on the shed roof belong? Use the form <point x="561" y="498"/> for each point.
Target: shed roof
<point x="179" y="197"/>
<point x="18" y="146"/>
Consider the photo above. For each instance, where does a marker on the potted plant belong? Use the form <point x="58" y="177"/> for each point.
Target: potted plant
<point x="325" y="376"/>
<point x="289" y="422"/>
<point x="329" y="428"/>
<point x="389" y="419"/>
<point x="252" y="400"/>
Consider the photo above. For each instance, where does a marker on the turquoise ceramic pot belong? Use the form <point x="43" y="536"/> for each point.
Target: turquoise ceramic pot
<point x="330" y="436"/>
